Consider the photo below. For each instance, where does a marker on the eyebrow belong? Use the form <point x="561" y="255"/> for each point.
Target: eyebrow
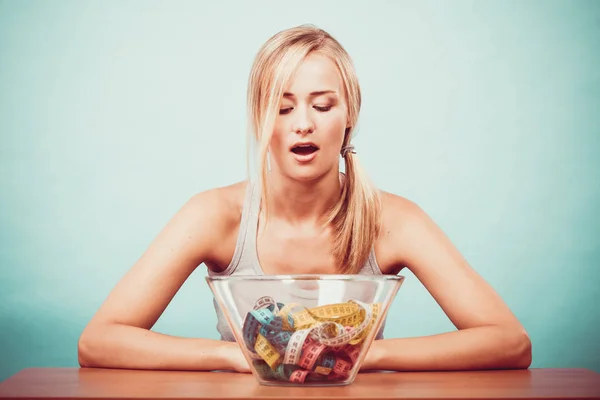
<point x="312" y="94"/>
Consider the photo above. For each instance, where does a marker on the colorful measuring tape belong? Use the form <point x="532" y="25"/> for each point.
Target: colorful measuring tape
<point x="298" y="344"/>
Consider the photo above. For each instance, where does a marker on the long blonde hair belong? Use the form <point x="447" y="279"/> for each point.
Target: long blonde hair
<point x="355" y="219"/>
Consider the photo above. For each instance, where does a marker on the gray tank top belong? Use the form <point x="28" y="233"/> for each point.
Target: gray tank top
<point x="245" y="258"/>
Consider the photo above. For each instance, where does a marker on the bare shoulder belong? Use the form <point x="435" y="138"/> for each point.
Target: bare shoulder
<point x="399" y="214"/>
<point x="222" y="204"/>
<point x="402" y="220"/>
<point x="396" y="206"/>
<point x="220" y="210"/>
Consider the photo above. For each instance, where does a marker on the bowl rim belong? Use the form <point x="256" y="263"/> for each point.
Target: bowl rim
<point x="306" y="277"/>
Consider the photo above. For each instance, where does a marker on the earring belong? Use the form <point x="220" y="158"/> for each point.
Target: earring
<point x="348" y="149"/>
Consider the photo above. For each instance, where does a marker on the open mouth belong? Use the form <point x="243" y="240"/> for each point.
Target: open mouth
<point x="304" y="150"/>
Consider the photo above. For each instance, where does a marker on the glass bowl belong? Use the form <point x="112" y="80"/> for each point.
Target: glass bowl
<point x="305" y="330"/>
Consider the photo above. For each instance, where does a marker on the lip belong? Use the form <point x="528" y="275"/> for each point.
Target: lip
<point x="304" y="144"/>
<point x="304" y="158"/>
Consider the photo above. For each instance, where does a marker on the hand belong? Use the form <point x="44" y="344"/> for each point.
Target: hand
<point x="235" y="359"/>
<point x="371" y="358"/>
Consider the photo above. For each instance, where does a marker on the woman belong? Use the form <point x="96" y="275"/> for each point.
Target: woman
<point x="303" y="216"/>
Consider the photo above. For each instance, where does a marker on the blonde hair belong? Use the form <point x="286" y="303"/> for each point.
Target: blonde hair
<point x="355" y="219"/>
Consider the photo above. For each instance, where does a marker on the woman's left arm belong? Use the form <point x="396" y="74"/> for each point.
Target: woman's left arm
<point x="489" y="336"/>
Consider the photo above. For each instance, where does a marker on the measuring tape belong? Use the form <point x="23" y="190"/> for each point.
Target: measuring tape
<point x="289" y="342"/>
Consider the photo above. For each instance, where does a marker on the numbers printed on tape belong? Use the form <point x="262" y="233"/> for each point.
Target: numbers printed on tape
<point x="264" y="302"/>
<point x="310" y="353"/>
<point x="267" y="351"/>
<point x="342" y="367"/>
<point x="298" y="376"/>
<point x="294" y="348"/>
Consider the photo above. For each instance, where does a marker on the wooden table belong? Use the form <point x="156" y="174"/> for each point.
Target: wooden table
<point x="91" y="383"/>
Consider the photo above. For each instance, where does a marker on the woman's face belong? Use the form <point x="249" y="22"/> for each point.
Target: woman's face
<point x="309" y="129"/>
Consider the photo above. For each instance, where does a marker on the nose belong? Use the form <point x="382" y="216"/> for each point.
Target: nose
<point x="303" y="123"/>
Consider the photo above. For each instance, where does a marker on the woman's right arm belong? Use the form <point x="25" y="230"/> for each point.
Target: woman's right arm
<point x="119" y="335"/>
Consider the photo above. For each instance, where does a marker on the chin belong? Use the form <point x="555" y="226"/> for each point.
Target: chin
<point x="304" y="174"/>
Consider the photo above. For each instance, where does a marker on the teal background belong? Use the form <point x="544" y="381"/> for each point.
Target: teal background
<point x="112" y="114"/>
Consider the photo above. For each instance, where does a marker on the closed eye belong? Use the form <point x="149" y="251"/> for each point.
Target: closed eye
<point x="284" y="111"/>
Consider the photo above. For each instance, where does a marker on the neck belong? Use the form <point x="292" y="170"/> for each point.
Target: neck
<point x="302" y="202"/>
